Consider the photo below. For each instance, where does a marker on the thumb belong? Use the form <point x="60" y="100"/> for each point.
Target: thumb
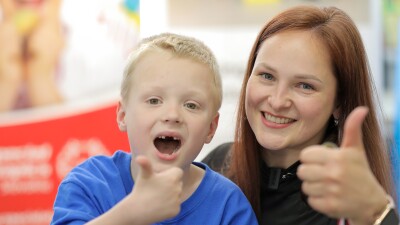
<point x="146" y="169"/>
<point x="352" y="135"/>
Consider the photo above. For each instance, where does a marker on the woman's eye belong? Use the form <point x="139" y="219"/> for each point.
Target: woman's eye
<point x="267" y="76"/>
<point x="154" y="101"/>
<point x="306" y="86"/>
<point x="191" y="105"/>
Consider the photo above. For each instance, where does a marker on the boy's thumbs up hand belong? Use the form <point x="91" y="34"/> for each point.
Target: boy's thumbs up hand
<point x="146" y="170"/>
<point x="156" y="195"/>
<point x="339" y="181"/>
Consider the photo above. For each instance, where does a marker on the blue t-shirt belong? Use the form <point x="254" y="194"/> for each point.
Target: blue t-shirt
<point x="95" y="186"/>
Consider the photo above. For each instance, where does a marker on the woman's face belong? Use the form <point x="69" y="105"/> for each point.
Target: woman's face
<point x="290" y="94"/>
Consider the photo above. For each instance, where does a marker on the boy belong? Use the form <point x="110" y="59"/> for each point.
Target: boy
<point x="170" y="96"/>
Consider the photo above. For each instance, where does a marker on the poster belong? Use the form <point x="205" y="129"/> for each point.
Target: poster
<point x="36" y="155"/>
<point x="62" y="108"/>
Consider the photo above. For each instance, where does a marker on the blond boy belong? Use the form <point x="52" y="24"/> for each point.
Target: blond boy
<point x="170" y="97"/>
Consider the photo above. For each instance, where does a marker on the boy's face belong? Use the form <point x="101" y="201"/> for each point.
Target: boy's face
<point x="170" y="111"/>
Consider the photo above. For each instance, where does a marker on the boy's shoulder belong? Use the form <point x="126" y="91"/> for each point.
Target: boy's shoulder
<point x="105" y="166"/>
<point x="220" y="199"/>
<point x="217" y="180"/>
<point x="118" y="157"/>
<point x="84" y="188"/>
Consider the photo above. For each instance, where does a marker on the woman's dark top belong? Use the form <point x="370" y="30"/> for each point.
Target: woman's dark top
<point x="282" y="202"/>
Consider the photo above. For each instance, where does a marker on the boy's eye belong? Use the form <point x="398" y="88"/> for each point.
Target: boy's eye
<point x="154" y="101"/>
<point x="267" y="76"/>
<point x="191" y="105"/>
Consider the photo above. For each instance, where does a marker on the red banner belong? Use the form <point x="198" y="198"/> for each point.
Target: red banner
<point x="36" y="155"/>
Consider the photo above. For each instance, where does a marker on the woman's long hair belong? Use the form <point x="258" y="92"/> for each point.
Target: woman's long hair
<point x="355" y="88"/>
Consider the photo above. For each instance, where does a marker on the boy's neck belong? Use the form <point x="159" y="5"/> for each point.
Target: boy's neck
<point x="191" y="180"/>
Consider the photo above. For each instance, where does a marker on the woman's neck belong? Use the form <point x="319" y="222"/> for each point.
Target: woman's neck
<point x="283" y="158"/>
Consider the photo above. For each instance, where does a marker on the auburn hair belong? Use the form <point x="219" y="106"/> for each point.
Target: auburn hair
<point x="355" y="88"/>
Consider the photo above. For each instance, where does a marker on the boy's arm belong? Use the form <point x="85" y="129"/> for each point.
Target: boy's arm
<point x="155" y="197"/>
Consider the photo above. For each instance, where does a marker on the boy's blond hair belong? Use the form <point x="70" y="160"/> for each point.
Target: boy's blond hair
<point x="180" y="46"/>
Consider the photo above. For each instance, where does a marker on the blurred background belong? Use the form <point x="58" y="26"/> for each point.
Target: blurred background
<point x="58" y="100"/>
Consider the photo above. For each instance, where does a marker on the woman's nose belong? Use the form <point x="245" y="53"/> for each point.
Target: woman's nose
<point x="279" y="98"/>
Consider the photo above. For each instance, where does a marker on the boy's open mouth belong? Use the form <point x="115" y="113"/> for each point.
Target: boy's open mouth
<point x="167" y="145"/>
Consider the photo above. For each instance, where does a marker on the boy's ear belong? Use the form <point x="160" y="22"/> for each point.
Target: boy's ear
<point x="121" y="117"/>
<point x="213" y="128"/>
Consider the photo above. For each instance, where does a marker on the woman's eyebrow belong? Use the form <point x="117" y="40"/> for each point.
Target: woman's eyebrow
<point x="308" y="77"/>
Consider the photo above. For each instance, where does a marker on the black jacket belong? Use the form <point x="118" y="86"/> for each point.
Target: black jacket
<point x="282" y="202"/>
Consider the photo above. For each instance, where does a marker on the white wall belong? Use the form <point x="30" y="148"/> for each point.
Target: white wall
<point x="232" y="46"/>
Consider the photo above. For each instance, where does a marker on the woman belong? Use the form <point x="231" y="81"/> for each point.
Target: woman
<point x="306" y="77"/>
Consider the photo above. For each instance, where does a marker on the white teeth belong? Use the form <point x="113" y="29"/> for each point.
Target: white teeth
<point x="163" y="137"/>
<point x="277" y="119"/>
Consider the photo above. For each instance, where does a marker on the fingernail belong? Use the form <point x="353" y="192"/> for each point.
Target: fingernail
<point x="329" y="144"/>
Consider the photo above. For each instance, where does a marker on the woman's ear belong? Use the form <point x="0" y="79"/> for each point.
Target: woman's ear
<point x="336" y="113"/>
<point x="121" y="117"/>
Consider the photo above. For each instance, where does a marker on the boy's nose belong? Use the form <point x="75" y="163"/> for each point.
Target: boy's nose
<point x="172" y="114"/>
